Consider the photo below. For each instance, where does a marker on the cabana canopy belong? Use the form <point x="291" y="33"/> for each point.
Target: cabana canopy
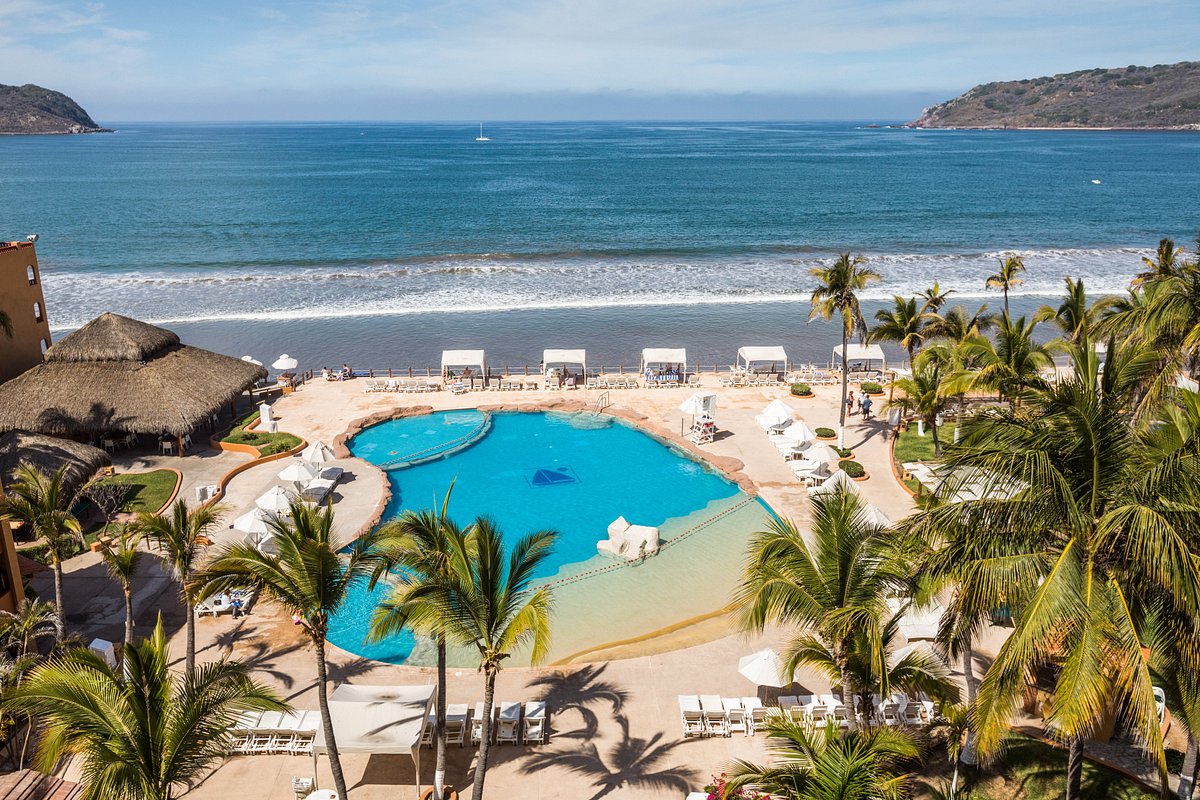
<point x="774" y="355"/>
<point x="119" y="374"/>
<point x="861" y="352"/>
<point x="664" y="355"/>
<point x="564" y="357"/>
<point x="464" y="358"/>
<point x="378" y="719"/>
<point x="47" y="455"/>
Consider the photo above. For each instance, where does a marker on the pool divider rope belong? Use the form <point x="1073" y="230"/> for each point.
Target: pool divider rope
<point x="591" y="573"/>
<point x="440" y="450"/>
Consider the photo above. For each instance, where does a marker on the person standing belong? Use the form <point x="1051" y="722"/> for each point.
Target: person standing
<point x="850" y="404"/>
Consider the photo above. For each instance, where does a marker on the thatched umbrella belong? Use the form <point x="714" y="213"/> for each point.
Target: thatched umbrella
<point x="47" y="455"/>
<point x="119" y="374"/>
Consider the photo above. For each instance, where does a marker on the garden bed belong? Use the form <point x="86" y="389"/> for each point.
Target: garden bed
<point x="267" y="444"/>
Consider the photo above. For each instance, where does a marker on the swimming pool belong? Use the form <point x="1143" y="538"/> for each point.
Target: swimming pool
<point x="574" y="473"/>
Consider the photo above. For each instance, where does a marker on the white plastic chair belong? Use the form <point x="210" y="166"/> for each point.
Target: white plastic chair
<point x="736" y="716"/>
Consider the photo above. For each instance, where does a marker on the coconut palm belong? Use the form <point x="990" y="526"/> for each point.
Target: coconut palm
<point x="953" y="725"/>
<point x="416" y="550"/>
<point x="830" y="589"/>
<point x="1010" y="362"/>
<point x="312" y="573"/>
<point x="925" y="393"/>
<point x="822" y="763"/>
<point x="179" y="535"/>
<point x="1073" y="316"/>
<point x="1007" y="277"/>
<point x="23" y="631"/>
<point x="1079" y="505"/>
<point x="123" y="558"/>
<point x="957" y="325"/>
<point x="43" y="505"/>
<point x="1168" y="262"/>
<point x="490" y="604"/>
<point x="1171" y="639"/>
<point x="140" y="732"/>
<point x="837" y="293"/>
<point x="903" y="324"/>
<point x="934" y="298"/>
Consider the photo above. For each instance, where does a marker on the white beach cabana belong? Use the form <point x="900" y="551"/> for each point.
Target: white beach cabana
<point x="664" y="356"/>
<point x="387" y="720"/>
<point x="564" y="358"/>
<point x="866" y="353"/>
<point x="747" y="357"/>
<point x="464" y="359"/>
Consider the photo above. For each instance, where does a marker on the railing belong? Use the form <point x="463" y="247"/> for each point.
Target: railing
<point x="439" y="450"/>
<point x="602" y="402"/>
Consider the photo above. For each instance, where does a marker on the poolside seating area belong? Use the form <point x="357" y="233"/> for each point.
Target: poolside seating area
<point x="713" y="715"/>
<point x="820" y="709"/>
<point x="403" y="385"/>
<point x="319" y="488"/>
<point x="276" y="732"/>
<point x="512" y="723"/>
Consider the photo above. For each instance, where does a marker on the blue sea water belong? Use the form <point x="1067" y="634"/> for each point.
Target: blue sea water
<point x="532" y="471"/>
<point x="327" y="238"/>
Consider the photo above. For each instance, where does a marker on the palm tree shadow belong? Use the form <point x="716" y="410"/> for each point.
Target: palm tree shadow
<point x="576" y="691"/>
<point x="631" y="762"/>
<point x="253" y="651"/>
<point x="339" y="673"/>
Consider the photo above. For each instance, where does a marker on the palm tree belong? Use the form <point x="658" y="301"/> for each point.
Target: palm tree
<point x="903" y="324"/>
<point x="953" y="723"/>
<point x="416" y="549"/>
<point x="40" y="502"/>
<point x="490" y="603"/>
<point x="925" y="393"/>
<point x="1082" y="507"/>
<point x="1010" y="363"/>
<point x="934" y="298"/>
<point x="820" y="763"/>
<point x="140" y="732"/>
<point x="829" y="590"/>
<point x="179" y="535"/>
<point x="22" y="634"/>
<point x="1168" y="262"/>
<point x="312" y="573"/>
<point x="837" y="293"/>
<point x="1073" y="316"/>
<point x="957" y="326"/>
<point x="123" y="559"/>
<point x="1007" y="277"/>
<point x="22" y="631"/>
<point x="1173" y="661"/>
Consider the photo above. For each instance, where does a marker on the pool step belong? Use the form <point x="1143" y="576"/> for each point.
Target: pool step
<point x="441" y="450"/>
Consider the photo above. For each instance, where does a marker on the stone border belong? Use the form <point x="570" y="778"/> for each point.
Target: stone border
<point x="258" y="459"/>
<point x="174" y="492"/>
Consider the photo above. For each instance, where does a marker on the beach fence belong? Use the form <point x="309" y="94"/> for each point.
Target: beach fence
<point x="509" y="370"/>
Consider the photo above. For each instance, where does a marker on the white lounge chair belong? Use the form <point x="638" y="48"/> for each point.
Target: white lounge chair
<point x="456" y="723"/>
<point x="756" y="712"/>
<point x="508" y="723"/>
<point x="214" y="605"/>
<point x="691" y="715"/>
<point x="477" y="724"/>
<point x="716" y="722"/>
<point x="534" y="730"/>
<point x="736" y="716"/>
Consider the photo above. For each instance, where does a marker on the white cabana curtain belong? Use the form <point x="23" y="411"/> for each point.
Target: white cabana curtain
<point x="860" y="352"/>
<point x="378" y="719"/>
<point x="664" y="355"/>
<point x="550" y="357"/>
<point x="464" y="358"/>
<point x="750" y="355"/>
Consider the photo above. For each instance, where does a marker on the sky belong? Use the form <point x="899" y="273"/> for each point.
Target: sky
<point x="217" y="60"/>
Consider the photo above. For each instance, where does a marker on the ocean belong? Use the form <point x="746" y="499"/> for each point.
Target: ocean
<point x="382" y="244"/>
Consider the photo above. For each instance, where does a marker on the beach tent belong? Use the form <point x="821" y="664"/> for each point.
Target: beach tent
<point x="555" y="357"/>
<point x="748" y="356"/>
<point x="860" y="352"/>
<point x="387" y="720"/>
<point x="461" y="359"/>
<point x="664" y="356"/>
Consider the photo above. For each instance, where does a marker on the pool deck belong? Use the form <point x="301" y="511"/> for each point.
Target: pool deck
<point x="639" y="737"/>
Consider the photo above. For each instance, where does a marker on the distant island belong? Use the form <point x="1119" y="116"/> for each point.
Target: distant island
<point x="1162" y="97"/>
<point x="32" y="109"/>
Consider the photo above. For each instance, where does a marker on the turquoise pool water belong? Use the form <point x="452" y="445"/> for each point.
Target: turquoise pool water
<point x="574" y="473"/>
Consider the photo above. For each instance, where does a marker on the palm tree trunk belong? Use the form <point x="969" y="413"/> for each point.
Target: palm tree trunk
<point x="61" y="621"/>
<point x="933" y="431"/>
<point x="968" y="754"/>
<point x="489" y="696"/>
<point x="128" y="614"/>
<point x="335" y="760"/>
<point x="439" y="770"/>
<point x="190" y="630"/>
<point x="1075" y="768"/>
<point x="845" y="388"/>
<point x="1187" y="775"/>
<point x="1005" y="299"/>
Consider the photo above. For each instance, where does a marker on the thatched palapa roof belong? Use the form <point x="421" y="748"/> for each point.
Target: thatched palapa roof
<point x="48" y="454"/>
<point x="119" y="374"/>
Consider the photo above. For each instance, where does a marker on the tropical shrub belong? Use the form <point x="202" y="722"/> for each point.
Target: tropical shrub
<point x="843" y="452"/>
<point x="825" y="433"/>
<point x="870" y="387"/>
<point x="852" y="468"/>
<point x="801" y="390"/>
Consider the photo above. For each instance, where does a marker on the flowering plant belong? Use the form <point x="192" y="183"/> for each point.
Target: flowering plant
<point x="718" y="790"/>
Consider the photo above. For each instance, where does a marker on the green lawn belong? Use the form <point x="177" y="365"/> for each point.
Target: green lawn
<point x="149" y="491"/>
<point x="267" y="443"/>
<point x="1030" y="770"/>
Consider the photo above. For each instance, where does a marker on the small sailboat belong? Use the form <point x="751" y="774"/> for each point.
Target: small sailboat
<point x="481" y="137"/>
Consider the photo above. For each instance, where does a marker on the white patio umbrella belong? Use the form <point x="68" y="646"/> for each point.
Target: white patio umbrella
<point x="317" y="453"/>
<point x="252" y="360"/>
<point x="778" y="410"/>
<point x="763" y="668"/>
<point x="254" y="521"/>
<point x="277" y="500"/>
<point x="285" y="362"/>
<point x="298" y="472"/>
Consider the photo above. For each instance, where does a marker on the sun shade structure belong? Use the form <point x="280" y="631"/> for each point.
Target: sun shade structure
<point x="388" y="720"/>
<point x="47" y="455"/>
<point x="553" y="357"/>
<point x="664" y="355"/>
<point x="749" y="356"/>
<point x="764" y="668"/>
<point x="861" y="352"/>
<point x="119" y="374"/>
<point x="460" y="359"/>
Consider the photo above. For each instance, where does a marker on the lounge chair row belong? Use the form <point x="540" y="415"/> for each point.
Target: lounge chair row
<point x="271" y="732"/>
<point x="512" y="723"/>
<point x="739" y="379"/>
<point x="226" y="601"/>
<point x="403" y="385"/>
<point x="613" y="382"/>
<point x="713" y="715"/>
<point x="318" y="489"/>
<point x="896" y="709"/>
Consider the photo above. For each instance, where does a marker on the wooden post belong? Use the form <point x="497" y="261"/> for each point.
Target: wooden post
<point x="179" y="442"/>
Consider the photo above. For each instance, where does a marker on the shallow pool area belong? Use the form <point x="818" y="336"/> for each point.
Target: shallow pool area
<point x="574" y="473"/>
